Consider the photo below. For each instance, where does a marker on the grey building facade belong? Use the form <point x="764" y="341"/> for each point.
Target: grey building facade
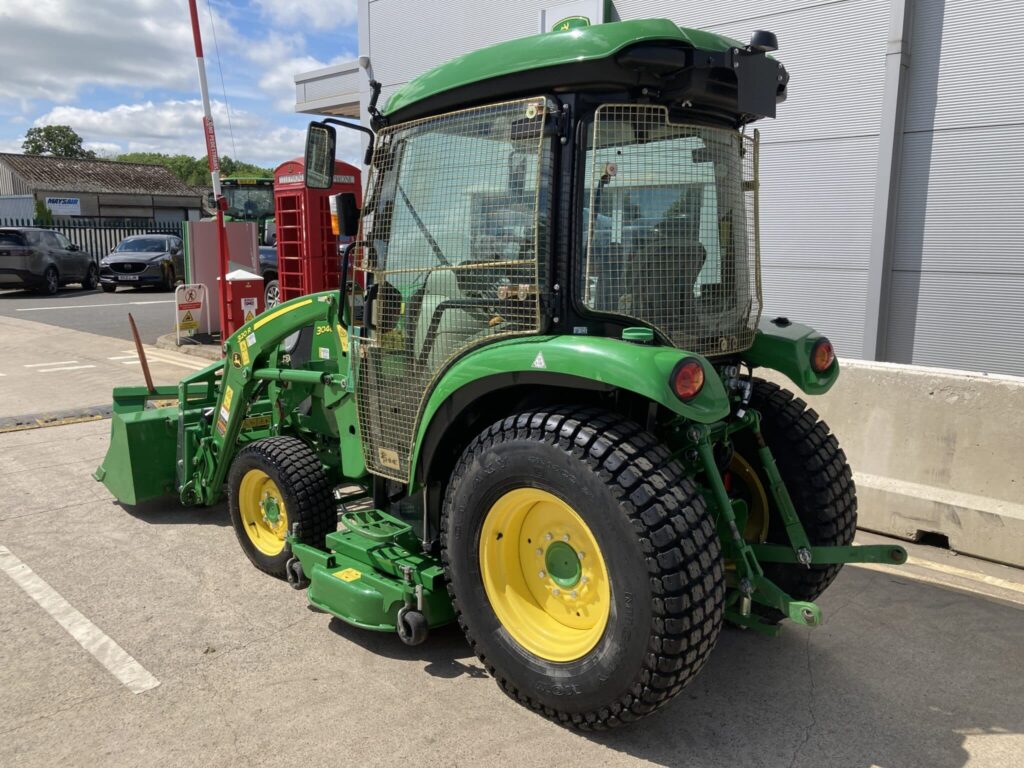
<point x="892" y="182"/>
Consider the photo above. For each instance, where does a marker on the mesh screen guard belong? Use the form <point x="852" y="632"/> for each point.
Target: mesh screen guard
<point x="671" y="227"/>
<point x="457" y="218"/>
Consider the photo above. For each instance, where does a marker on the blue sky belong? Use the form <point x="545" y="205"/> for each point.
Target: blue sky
<point x="122" y="72"/>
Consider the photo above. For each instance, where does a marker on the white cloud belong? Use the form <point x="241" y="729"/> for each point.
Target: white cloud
<point x="52" y="49"/>
<point x="174" y="127"/>
<point x="303" y="14"/>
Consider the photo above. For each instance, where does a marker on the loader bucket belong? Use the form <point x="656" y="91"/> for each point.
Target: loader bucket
<point x="141" y="459"/>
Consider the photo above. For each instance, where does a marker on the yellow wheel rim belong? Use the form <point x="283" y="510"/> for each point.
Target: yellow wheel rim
<point x="263" y="512"/>
<point x="756" y="529"/>
<point x="544" y="574"/>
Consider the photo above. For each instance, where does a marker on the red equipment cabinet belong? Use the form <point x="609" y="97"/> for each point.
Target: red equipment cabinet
<point x="307" y="251"/>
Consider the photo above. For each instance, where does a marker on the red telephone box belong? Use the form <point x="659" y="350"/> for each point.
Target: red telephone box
<point x="307" y="251"/>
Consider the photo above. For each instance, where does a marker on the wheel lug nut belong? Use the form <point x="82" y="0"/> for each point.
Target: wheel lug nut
<point x="583" y="580"/>
<point x="548" y="537"/>
<point x="539" y="551"/>
<point x="573" y="594"/>
<point x="580" y="555"/>
<point x="542" y="574"/>
<point x="565" y="537"/>
<point x="555" y="592"/>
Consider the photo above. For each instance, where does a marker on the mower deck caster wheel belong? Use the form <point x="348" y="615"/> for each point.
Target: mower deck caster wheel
<point x="412" y="626"/>
<point x="296" y="577"/>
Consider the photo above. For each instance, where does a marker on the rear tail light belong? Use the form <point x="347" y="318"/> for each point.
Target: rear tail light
<point x="822" y="355"/>
<point x="687" y="378"/>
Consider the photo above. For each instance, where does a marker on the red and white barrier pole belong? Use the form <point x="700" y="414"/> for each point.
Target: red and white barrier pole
<point x="224" y="290"/>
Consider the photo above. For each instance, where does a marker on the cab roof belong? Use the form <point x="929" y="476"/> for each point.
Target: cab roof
<point x="651" y="53"/>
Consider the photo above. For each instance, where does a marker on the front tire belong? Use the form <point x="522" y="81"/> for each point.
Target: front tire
<point x="92" y="277"/>
<point x="614" y="623"/>
<point x="108" y="287"/>
<point x="278" y="486"/>
<point x="51" y="282"/>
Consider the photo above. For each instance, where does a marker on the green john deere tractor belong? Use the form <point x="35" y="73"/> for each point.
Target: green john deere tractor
<point x="533" y="405"/>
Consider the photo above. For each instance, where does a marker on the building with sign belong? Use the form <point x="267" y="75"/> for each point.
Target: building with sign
<point x="99" y="188"/>
<point x="891" y="182"/>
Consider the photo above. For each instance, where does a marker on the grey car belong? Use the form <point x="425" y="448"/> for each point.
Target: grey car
<point x="154" y="259"/>
<point x="43" y="260"/>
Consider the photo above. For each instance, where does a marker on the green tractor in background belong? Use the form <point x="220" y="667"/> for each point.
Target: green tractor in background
<point x="534" y="408"/>
<point x="251" y="198"/>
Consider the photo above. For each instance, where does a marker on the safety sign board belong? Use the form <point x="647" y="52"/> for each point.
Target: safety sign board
<point x="249" y="308"/>
<point x="189" y="302"/>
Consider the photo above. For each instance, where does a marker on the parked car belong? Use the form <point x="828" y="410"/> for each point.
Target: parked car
<point x="154" y="259"/>
<point x="43" y="260"/>
<point x="268" y="269"/>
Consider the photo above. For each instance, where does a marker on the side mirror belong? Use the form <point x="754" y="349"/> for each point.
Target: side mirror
<point x="320" y="146"/>
<point x="348" y="214"/>
<point x="72" y="247"/>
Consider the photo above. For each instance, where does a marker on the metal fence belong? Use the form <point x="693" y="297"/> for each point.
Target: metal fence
<point x="99" y="236"/>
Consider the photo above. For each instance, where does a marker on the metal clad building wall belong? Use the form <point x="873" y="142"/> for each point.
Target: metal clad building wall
<point x="958" y="262"/>
<point x="416" y="36"/>
<point x="818" y="158"/>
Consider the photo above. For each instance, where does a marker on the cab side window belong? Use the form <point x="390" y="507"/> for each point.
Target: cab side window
<point x="62" y="242"/>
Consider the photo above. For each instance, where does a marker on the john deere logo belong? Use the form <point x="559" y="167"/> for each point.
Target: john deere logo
<point x="570" y="22"/>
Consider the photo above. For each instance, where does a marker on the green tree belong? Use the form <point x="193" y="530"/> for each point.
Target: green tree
<point x="57" y="140"/>
<point x="44" y="217"/>
<point x="194" y="171"/>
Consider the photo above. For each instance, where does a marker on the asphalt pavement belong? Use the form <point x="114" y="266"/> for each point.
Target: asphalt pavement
<point x="201" y="660"/>
<point x="96" y="312"/>
<point x="142" y="636"/>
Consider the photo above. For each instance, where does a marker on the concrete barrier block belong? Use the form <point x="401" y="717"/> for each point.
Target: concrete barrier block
<point x="933" y="451"/>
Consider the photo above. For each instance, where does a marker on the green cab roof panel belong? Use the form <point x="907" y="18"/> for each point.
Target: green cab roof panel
<point x="550" y="49"/>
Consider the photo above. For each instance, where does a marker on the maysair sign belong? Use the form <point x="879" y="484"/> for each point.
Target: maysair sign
<point x="64" y="206"/>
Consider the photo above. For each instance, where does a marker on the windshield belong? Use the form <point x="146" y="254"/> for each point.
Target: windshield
<point x="143" y="245"/>
<point x="249" y="202"/>
<point x="668" y="227"/>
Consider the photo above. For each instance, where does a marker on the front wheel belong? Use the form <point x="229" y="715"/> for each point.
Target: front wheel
<point x="169" y="281"/>
<point x="278" y="486"/>
<point x="584" y="569"/>
<point x="51" y="282"/>
<point x="92" y="277"/>
<point x="272" y="295"/>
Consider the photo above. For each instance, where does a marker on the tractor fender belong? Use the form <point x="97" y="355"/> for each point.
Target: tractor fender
<point x="785" y="346"/>
<point x="576" y="362"/>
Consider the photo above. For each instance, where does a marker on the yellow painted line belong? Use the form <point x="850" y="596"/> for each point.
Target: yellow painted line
<point x="105" y="650"/>
<point x="924" y="578"/>
<point x="952" y="570"/>
<point x="277" y="313"/>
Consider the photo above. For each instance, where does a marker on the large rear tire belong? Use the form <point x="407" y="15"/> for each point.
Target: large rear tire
<point x="584" y="568"/>
<point x="818" y="479"/>
<point x="278" y="486"/>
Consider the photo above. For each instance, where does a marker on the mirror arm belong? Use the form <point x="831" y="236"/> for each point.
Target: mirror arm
<point x="369" y="149"/>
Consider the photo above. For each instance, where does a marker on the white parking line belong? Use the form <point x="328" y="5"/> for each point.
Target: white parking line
<point x="65" y="368"/>
<point x="123" y="357"/>
<point x="97" y="306"/>
<point x="55" y="362"/>
<point x="118" y="662"/>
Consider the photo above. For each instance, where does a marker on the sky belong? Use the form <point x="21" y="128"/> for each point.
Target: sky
<point x="123" y="74"/>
